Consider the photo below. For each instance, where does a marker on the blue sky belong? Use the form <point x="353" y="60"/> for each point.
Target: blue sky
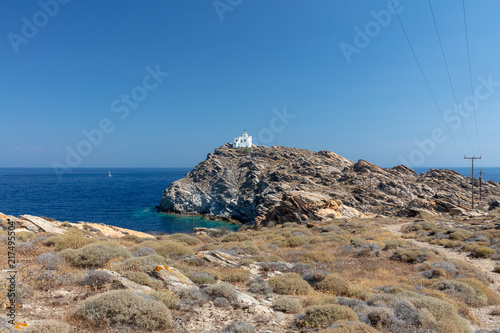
<point x="278" y="69"/>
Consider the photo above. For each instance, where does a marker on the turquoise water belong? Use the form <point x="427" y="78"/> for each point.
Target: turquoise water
<point x="127" y="199"/>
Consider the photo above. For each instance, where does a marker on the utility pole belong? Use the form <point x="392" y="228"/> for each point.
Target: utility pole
<point x="472" y="159"/>
<point x="192" y="210"/>
<point x="480" y="185"/>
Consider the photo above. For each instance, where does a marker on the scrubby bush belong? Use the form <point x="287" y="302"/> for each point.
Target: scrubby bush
<point x="167" y="297"/>
<point x="49" y="260"/>
<point x="25" y="248"/>
<point x="322" y="257"/>
<point x="234" y="237"/>
<point x="318" y="299"/>
<point x="172" y="249"/>
<point x="260" y="286"/>
<point x="482" y="290"/>
<point x="24" y="235"/>
<point x="238" y="327"/>
<point x="343" y="326"/>
<point x="324" y="316"/>
<point x="496" y="269"/>
<point x="202" y="278"/>
<point x="144" y="279"/>
<point x="191" y="296"/>
<point x="48" y="326"/>
<point x="124" y="307"/>
<point x="237" y="275"/>
<point x="445" y="314"/>
<point x="97" y="279"/>
<point x="52" y="240"/>
<point x="73" y="241"/>
<point x="289" y="284"/>
<point x="99" y="254"/>
<point x="412" y="256"/>
<point x="223" y="289"/>
<point x="460" y="291"/>
<point x="221" y="302"/>
<point x="333" y="284"/>
<point x="141" y="264"/>
<point x="287" y="305"/>
<point x="314" y="277"/>
<point x="143" y="252"/>
<point x="484" y="252"/>
<point x="186" y="239"/>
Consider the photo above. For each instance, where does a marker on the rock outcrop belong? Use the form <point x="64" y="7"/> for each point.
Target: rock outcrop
<point x="280" y="184"/>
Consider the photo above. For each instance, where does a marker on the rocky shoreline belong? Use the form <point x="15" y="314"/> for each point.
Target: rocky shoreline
<point x="280" y="184"/>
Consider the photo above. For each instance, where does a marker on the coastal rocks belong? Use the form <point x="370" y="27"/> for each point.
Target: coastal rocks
<point x="220" y="258"/>
<point x="30" y="221"/>
<point x="172" y="277"/>
<point x="281" y="184"/>
<point x="128" y="284"/>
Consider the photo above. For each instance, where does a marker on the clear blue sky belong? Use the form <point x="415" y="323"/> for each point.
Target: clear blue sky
<point x="229" y="68"/>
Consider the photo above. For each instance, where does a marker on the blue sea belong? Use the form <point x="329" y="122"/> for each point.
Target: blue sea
<point x="127" y="199"/>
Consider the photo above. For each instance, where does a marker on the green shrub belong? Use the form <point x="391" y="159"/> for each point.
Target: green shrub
<point x="74" y="241"/>
<point x="289" y="284"/>
<point x="236" y="275"/>
<point x="202" y="278"/>
<point x="333" y="284"/>
<point x="324" y="316"/>
<point x="167" y="297"/>
<point x="322" y="257"/>
<point x="99" y="254"/>
<point x="287" y="305"/>
<point x="48" y="326"/>
<point x="484" y="252"/>
<point x="144" y="279"/>
<point x="124" y="308"/>
<point x="172" y="249"/>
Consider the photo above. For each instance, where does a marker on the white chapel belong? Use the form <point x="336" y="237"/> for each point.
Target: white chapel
<point x="243" y="141"/>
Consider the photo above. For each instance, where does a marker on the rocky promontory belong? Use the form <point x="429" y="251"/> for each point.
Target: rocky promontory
<point x="280" y="184"/>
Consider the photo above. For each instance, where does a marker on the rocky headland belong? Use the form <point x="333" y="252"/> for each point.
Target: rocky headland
<point x="280" y="184"/>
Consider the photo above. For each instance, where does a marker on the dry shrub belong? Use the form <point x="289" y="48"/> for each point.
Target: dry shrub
<point x="461" y="291"/>
<point x="496" y="269"/>
<point x="191" y="296"/>
<point x="236" y="275"/>
<point x="495" y="312"/>
<point x="287" y="305"/>
<point x="318" y="299"/>
<point x="172" y="249"/>
<point x="238" y="327"/>
<point x="124" y="307"/>
<point x="289" y="284"/>
<point x="491" y="296"/>
<point x="202" y="278"/>
<point x="48" y="326"/>
<point x="97" y="279"/>
<point x="142" y="264"/>
<point x="412" y="256"/>
<point x="334" y="285"/>
<point x="342" y="326"/>
<point x="99" y="254"/>
<point x="483" y="252"/>
<point x="223" y="289"/>
<point x="52" y="240"/>
<point x="322" y="257"/>
<point x="144" y="279"/>
<point x="445" y="314"/>
<point x="186" y="239"/>
<point x="470" y="271"/>
<point x="49" y="260"/>
<point x="167" y="297"/>
<point x="324" y="316"/>
<point x="73" y="241"/>
<point x="24" y="235"/>
<point x="234" y="237"/>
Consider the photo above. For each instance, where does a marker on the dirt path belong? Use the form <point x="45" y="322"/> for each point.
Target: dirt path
<point x="485" y="265"/>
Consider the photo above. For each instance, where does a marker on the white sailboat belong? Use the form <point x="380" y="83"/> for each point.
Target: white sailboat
<point x="109" y="173"/>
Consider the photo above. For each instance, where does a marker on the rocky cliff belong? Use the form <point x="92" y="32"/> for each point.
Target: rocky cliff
<point x="282" y="184"/>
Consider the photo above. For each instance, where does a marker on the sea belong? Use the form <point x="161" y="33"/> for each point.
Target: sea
<point x="127" y="199"/>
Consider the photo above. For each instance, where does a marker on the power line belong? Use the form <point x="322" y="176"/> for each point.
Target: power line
<point x="423" y="75"/>
<point x="470" y="76"/>
<point x="449" y="76"/>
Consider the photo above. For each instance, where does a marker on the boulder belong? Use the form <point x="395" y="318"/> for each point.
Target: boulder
<point x="174" y="279"/>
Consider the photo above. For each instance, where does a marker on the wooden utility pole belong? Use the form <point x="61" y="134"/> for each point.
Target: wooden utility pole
<point x="472" y="159"/>
<point x="480" y="185"/>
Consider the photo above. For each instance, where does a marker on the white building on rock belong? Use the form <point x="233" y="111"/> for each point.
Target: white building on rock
<point x="243" y="141"/>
